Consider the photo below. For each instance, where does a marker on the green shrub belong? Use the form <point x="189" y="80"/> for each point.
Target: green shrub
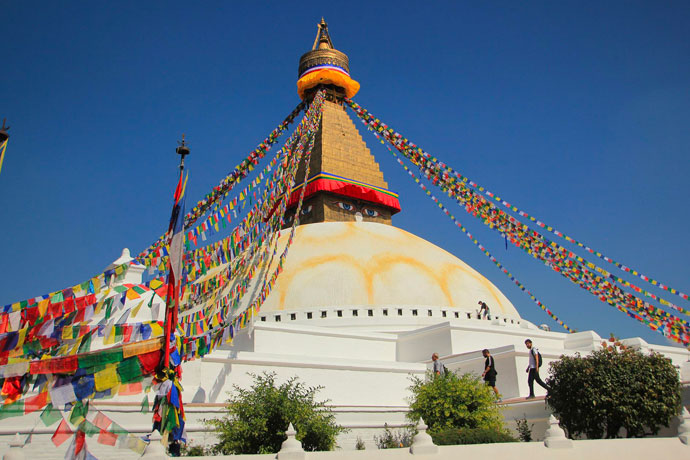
<point x="524" y="429"/>
<point x="452" y="401"/>
<point x="453" y="436"/>
<point x="191" y="450"/>
<point x="257" y="418"/>
<point x="610" y="389"/>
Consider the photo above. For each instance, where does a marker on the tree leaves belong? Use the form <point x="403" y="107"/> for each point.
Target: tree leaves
<point x="614" y="392"/>
<point x="258" y="417"/>
<point x="452" y="401"/>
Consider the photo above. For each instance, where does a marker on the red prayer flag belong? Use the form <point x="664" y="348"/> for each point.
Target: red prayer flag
<point x="102" y="421"/>
<point x="35" y="403"/>
<point x="149" y="361"/>
<point x="80" y="443"/>
<point x="130" y="388"/>
<point x="65" y="365"/>
<point x="62" y="433"/>
<point x="11" y="389"/>
<point x="107" y="438"/>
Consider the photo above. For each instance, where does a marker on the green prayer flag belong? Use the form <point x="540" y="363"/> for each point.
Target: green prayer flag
<point x="12" y="410"/>
<point x="50" y="415"/>
<point x="145" y="404"/>
<point x="89" y="428"/>
<point x="108" y="307"/>
<point x="118" y="334"/>
<point x="57" y="297"/>
<point x="78" y="413"/>
<point x="129" y="370"/>
<point x="85" y="344"/>
<point x="100" y="359"/>
<point x="118" y="430"/>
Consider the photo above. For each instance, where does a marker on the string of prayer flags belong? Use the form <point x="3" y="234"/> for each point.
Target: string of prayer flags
<point x="240" y="172"/>
<point x="573" y="267"/>
<point x="482" y="248"/>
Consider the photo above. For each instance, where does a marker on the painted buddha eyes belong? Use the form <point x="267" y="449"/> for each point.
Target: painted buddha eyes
<point x="367" y="212"/>
<point x="306" y="210"/>
<point x="346" y="206"/>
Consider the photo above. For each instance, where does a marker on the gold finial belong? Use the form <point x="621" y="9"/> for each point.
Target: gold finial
<point x="323" y="39"/>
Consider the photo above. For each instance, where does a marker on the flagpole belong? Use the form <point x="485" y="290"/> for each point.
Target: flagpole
<point x="172" y="305"/>
<point x="4" y="137"/>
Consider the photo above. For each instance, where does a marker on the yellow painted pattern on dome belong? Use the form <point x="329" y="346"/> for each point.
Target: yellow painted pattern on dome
<point x="364" y="263"/>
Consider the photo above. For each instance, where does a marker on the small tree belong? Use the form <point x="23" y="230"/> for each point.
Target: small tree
<point x="452" y="401"/>
<point x="524" y="429"/>
<point x="610" y="389"/>
<point x="257" y="418"/>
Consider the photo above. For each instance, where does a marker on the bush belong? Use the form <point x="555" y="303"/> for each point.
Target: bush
<point x="524" y="429"/>
<point x="359" y="445"/>
<point x="257" y="418"/>
<point x="453" y="436"/>
<point x="452" y="401"/>
<point x="612" y="389"/>
<point x="392" y="440"/>
<point x="191" y="450"/>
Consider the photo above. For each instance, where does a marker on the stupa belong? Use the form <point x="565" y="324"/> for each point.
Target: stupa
<point x="360" y="306"/>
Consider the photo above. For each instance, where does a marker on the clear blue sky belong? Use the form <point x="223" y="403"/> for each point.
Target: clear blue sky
<point x="578" y="112"/>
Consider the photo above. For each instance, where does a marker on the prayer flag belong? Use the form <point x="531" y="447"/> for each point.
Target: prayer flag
<point x="145" y="404"/>
<point x="107" y="438"/>
<point x="62" y="433"/>
<point x="102" y="421"/>
<point x="50" y="415"/>
<point x="35" y="403"/>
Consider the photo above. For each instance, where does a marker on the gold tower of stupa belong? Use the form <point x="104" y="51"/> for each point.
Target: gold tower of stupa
<point x="345" y="182"/>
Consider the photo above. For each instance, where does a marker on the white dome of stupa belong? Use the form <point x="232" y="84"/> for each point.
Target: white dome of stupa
<point x="343" y="264"/>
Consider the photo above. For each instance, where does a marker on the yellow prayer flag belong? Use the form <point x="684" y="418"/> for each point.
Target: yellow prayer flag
<point x="110" y="338"/>
<point x="135" y="311"/>
<point x="67" y="333"/>
<point x="155" y="284"/>
<point x="107" y="378"/>
<point x="156" y="329"/>
<point x="43" y="306"/>
<point x="139" y="348"/>
<point x="99" y="305"/>
<point x="132" y="294"/>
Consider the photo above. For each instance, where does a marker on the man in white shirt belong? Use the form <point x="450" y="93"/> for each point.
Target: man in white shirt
<point x="533" y="369"/>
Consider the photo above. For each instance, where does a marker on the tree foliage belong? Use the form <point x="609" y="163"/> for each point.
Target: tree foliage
<point x="258" y="417"/>
<point x="610" y="389"/>
<point x="452" y="401"/>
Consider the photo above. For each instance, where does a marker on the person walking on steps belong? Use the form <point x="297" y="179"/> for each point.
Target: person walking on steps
<point x="490" y="373"/>
<point x="438" y="366"/>
<point x="533" y="369"/>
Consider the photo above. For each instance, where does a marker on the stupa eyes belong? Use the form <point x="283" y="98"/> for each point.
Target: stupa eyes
<point x="346" y="206"/>
<point x="370" y="212"/>
<point x="306" y="210"/>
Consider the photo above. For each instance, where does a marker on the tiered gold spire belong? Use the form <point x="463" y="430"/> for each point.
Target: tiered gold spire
<point x="345" y="182"/>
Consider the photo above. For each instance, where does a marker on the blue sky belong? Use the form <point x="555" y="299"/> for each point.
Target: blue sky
<point x="576" y="112"/>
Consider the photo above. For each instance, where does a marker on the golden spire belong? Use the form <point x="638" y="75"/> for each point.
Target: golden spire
<point x="323" y="52"/>
<point x="323" y="39"/>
